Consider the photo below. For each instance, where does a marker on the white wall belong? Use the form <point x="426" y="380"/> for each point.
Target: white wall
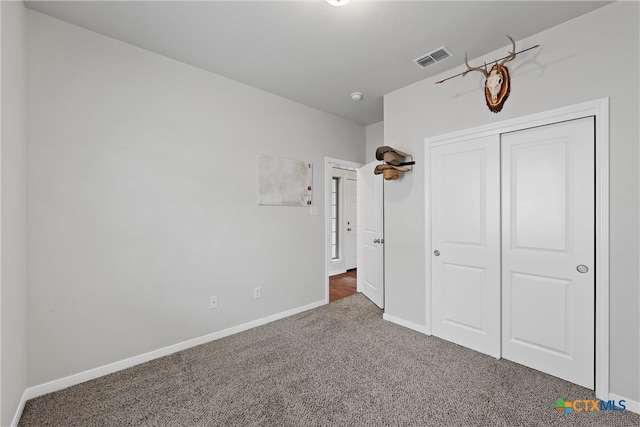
<point x="591" y="57"/>
<point x="375" y="139"/>
<point x="142" y="201"/>
<point x="13" y="142"/>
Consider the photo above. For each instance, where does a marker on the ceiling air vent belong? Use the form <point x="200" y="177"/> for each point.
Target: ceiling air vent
<point x="431" y="58"/>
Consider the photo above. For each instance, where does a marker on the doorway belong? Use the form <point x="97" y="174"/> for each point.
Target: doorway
<point x="527" y="337"/>
<point x="513" y="231"/>
<point x="341" y="228"/>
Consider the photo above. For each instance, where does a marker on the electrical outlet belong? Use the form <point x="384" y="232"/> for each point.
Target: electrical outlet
<point x="257" y="292"/>
<point x="213" y="301"/>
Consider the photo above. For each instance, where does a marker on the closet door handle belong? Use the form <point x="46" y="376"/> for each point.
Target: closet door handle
<point x="582" y="268"/>
<point x="436" y="252"/>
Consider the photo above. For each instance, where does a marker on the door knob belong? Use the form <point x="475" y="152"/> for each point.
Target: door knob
<point x="436" y="252"/>
<point x="582" y="268"/>
<point x="376" y="240"/>
<point x="348" y="229"/>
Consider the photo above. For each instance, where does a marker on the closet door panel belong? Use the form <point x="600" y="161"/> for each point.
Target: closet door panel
<point x="548" y="247"/>
<point x="465" y="230"/>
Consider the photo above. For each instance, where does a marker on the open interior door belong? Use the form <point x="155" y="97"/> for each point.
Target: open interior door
<point x="371" y="234"/>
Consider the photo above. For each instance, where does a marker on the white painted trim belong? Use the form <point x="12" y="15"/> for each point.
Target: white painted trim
<point x="328" y="163"/>
<point x="427" y="235"/>
<point x="600" y="110"/>
<point x="91" y="374"/>
<point x="601" y="113"/>
<point x="20" y="410"/>
<point x="406" y="323"/>
<point x="631" y="405"/>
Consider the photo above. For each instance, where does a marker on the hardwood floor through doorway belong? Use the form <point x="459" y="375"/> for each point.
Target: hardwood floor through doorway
<point x="342" y="285"/>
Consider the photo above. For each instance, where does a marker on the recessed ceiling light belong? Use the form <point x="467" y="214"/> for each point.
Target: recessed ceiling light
<point x="337" y="2"/>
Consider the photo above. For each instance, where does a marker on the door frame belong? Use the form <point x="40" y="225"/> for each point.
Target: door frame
<point x="329" y="163"/>
<point x="599" y="109"/>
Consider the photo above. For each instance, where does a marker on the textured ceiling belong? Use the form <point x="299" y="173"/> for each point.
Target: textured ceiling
<point x="312" y="52"/>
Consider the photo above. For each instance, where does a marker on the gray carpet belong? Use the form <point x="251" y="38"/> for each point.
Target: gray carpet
<point x="337" y="365"/>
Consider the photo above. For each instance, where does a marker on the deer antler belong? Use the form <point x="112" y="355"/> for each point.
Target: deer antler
<point x="470" y="68"/>
<point x="512" y="54"/>
<point x="483" y="70"/>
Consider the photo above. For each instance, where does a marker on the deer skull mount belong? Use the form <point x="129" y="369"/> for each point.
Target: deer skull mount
<point x="497" y="84"/>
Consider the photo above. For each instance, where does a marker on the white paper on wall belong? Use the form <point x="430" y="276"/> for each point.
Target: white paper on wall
<point x="284" y="182"/>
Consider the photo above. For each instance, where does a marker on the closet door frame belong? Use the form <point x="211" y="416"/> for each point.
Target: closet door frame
<point x="599" y="109"/>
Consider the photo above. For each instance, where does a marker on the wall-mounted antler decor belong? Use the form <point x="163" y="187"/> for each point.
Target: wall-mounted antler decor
<point x="394" y="162"/>
<point x="497" y="84"/>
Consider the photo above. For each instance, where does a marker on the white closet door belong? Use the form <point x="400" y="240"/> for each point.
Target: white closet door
<point x="548" y="249"/>
<point x="465" y="209"/>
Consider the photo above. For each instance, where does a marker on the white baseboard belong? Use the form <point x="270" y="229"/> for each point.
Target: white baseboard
<point x="18" y="415"/>
<point x="91" y="374"/>
<point x="416" y="327"/>
<point x="631" y="405"/>
<point x="336" y="272"/>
